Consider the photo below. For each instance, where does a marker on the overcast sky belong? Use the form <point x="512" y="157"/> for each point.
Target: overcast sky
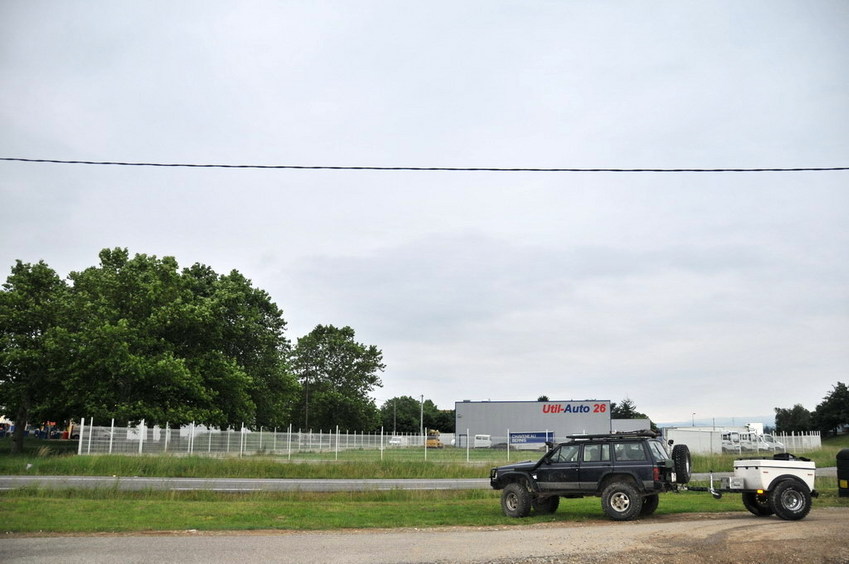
<point x="719" y="295"/>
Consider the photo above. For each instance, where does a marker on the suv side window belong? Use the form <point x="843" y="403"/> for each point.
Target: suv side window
<point x="629" y="451"/>
<point x="597" y="453"/>
<point x="658" y="450"/>
<point x="566" y="453"/>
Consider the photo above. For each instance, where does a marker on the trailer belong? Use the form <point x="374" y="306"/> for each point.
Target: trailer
<point x="782" y="485"/>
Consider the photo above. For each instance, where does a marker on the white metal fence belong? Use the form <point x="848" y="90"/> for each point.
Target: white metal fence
<point x="200" y="440"/>
<point x="703" y="440"/>
<point x="800" y="442"/>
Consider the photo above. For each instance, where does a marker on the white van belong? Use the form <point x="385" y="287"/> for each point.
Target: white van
<point x="483" y="441"/>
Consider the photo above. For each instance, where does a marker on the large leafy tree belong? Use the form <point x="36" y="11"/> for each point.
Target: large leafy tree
<point x="626" y="409"/>
<point x="32" y="305"/>
<point x="406" y="414"/>
<point x="402" y="414"/>
<point x="833" y="411"/>
<point x="147" y="341"/>
<point x="793" y="420"/>
<point x="337" y="376"/>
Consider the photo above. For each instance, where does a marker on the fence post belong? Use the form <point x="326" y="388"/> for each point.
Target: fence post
<point x="468" y="442"/>
<point x="111" y="435"/>
<point x="508" y="445"/>
<point x="141" y="436"/>
<point x="90" y="425"/>
<point x="82" y="430"/>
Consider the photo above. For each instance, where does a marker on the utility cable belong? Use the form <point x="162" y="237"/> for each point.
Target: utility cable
<point x="429" y="168"/>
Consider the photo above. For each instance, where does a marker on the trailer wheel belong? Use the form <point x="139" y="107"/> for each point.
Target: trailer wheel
<point x="650" y="503"/>
<point x="546" y="505"/>
<point x="757" y="504"/>
<point x="682" y="461"/>
<point x="516" y="500"/>
<point x="790" y="499"/>
<point x="621" y="501"/>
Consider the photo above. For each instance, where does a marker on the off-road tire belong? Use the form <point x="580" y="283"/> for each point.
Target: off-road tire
<point x="757" y="504"/>
<point x="621" y="501"/>
<point x="790" y="499"/>
<point x="516" y="500"/>
<point x="546" y="505"/>
<point x="682" y="463"/>
<point x="650" y="503"/>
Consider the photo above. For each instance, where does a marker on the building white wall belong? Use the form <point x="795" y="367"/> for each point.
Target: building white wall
<point x="563" y="418"/>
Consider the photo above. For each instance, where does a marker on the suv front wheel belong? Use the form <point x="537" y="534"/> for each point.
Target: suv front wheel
<point x="516" y="500"/>
<point x="621" y="501"/>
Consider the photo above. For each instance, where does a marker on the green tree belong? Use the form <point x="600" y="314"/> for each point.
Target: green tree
<point x="833" y="411"/>
<point x="444" y="420"/>
<point x="401" y="414"/>
<point x="32" y="304"/>
<point x="626" y="409"/>
<point x="794" y="420"/>
<point x="337" y="374"/>
<point x="147" y="341"/>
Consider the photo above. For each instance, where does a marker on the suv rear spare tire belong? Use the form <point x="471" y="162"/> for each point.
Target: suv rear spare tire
<point x="682" y="462"/>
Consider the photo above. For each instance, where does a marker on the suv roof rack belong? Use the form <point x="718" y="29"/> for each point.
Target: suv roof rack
<point x="625" y="435"/>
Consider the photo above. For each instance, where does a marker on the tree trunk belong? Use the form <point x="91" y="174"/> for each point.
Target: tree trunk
<point x="20" y="427"/>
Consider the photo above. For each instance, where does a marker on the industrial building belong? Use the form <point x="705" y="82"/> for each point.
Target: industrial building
<point x="528" y="424"/>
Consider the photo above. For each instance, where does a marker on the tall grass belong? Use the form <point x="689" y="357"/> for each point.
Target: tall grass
<point x="41" y="458"/>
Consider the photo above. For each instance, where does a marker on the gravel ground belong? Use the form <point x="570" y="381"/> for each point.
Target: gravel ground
<point x="822" y="537"/>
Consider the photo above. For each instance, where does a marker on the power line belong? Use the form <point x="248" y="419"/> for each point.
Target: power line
<point x="427" y="168"/>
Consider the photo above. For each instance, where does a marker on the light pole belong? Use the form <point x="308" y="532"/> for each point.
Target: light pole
<point x="421" y="418"/>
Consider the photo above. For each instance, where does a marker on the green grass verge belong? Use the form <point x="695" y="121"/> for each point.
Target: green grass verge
<point x="48" y="458"/>
<point x="29" y="510"/>
<point x="76" y="511"/>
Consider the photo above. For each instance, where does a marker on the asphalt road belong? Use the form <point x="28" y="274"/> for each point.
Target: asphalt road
<point x="671" y="539"/>
<point x="135" y="483"/>
<point x="237" y="485"/>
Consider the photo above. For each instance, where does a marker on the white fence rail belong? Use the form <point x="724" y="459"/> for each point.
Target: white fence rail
<point x="200" y="440"/>
<point x="703" y="440"/>
<point x="800" y="442"/>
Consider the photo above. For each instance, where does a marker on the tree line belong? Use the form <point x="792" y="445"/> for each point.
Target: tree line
<point x="137" y="337"/>
<point x="829" y="417"/>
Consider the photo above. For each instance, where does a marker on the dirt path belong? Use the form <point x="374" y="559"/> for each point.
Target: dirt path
<point x="823" y="537"/>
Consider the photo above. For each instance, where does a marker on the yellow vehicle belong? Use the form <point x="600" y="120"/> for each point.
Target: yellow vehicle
<point x="433" y="439"/>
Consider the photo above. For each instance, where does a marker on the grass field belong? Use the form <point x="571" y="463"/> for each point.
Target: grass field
<point x="29" y="510"/>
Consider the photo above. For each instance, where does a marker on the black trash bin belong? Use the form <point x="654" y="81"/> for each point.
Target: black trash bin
<point x="843" y="473"/>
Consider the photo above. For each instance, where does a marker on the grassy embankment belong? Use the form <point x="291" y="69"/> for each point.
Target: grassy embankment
<point x="33" y="509"/>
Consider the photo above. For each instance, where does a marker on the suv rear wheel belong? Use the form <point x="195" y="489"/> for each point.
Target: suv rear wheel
<point x="516" y="500"/>
<point x="621" y="501"/>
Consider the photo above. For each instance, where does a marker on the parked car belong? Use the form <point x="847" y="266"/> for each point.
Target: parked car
<point x="627" y="471"/>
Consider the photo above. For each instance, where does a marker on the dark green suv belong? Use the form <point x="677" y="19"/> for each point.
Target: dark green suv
<point x="626" y="470"/>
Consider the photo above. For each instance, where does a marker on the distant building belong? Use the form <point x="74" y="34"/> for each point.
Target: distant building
<point x="531" y="423"/>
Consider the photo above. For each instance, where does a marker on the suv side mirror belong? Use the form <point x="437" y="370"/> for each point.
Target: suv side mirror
<point x="669" y="442"/>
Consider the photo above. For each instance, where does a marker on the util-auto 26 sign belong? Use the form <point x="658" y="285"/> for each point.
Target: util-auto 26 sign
<point x="568" y="408"/>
